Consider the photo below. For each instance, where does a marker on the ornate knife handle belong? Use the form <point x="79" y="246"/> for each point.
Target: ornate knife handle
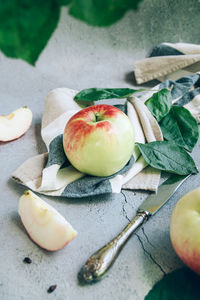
<point x="97" y="265"/>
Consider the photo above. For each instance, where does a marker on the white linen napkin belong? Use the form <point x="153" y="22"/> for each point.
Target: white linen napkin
<point x="168" y="61"/>
<point x="52" y="180"/>
<point x="47" y="173"/>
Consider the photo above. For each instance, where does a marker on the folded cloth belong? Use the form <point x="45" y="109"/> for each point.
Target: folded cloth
<point x="51" y="174"/>
<point x="168" y="61"/>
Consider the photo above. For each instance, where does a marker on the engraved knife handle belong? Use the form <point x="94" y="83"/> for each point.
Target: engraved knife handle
<point x="97" y="265"/>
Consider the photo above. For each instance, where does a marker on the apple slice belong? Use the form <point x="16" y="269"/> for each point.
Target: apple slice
<point x="44" y="224"/>
<point x="15" y="124"/>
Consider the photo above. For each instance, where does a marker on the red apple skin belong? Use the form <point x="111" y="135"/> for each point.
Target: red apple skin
<point x="185" y="229"/>
<point x="99" y="140"/>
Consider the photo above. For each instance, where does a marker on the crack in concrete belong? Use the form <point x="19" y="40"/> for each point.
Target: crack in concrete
<point x="123" y="207"/>
<point x="139" y="238"/>
<point x="148" y="241"/>
<point x="129" y="202"/>
<point x="149" y="254"/>
<point x="124" y="196"/>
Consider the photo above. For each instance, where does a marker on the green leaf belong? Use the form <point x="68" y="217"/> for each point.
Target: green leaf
<point x="64" y="2"/>
<point x="160" y="103"/>
<point x="26" y="26"/>
<point x="168" y="157"/>
<point x="181" y="127"/>
<point x="181" y="284"/>
<point x="101" y="12"/>
<point x="94" y="94"/>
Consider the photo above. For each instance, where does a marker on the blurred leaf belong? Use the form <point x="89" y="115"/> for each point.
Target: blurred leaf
<point x="64" y="2"/>
<point x="26" y="26"/>
<point x="101" y="12"/>
<point x="181" y="284"/>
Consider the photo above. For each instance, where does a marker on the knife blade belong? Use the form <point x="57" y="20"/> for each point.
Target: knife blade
<point x="155" y="201"/>
<point x="98" y="264"/>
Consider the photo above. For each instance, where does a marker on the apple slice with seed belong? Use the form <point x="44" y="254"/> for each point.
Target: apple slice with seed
<point x="15" y="124"/>
<point x="45" y="225"/>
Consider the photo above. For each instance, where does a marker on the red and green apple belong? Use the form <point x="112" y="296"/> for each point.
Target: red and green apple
<point x="185" y="229"/>
<point x="99" y="140"/>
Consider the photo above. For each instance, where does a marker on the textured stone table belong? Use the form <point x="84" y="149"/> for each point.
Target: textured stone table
<point x="79" y="56"/>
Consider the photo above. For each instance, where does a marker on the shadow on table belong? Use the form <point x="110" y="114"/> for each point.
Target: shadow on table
<point x="40" y="145"/>
<point x="130" y="79"/>
<point x="84" y="200"/>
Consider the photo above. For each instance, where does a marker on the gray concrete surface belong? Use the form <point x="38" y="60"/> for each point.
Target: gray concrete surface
<point x="79" y="56"/>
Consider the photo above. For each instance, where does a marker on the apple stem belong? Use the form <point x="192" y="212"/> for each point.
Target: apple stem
<point x="97" y="117"/>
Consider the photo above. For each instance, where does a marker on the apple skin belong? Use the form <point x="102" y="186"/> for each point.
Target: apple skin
<point x="45" y="225"/>
<point x="99" y="140"/>
<point x="185" y="229"/>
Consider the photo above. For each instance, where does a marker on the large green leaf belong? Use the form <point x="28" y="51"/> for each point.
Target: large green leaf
<point x="64" y="2"/>
<point x="160" y="103"/>
<point x="181" y="127"/>
<point x="181" y="284"/>
<point x="101" y="12"/>
<point x="168" y="157"/>
<point x="26" y="26"/>
<point x="94" y="94"/>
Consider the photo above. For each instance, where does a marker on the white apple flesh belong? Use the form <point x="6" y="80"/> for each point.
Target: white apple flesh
<point x="185" y="229"/>
<point x="15" y="124"/>
<point x="45" y="226"/>
<point x="99" y="140"/>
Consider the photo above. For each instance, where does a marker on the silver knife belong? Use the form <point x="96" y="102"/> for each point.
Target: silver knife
<point x="97" y="265"/>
